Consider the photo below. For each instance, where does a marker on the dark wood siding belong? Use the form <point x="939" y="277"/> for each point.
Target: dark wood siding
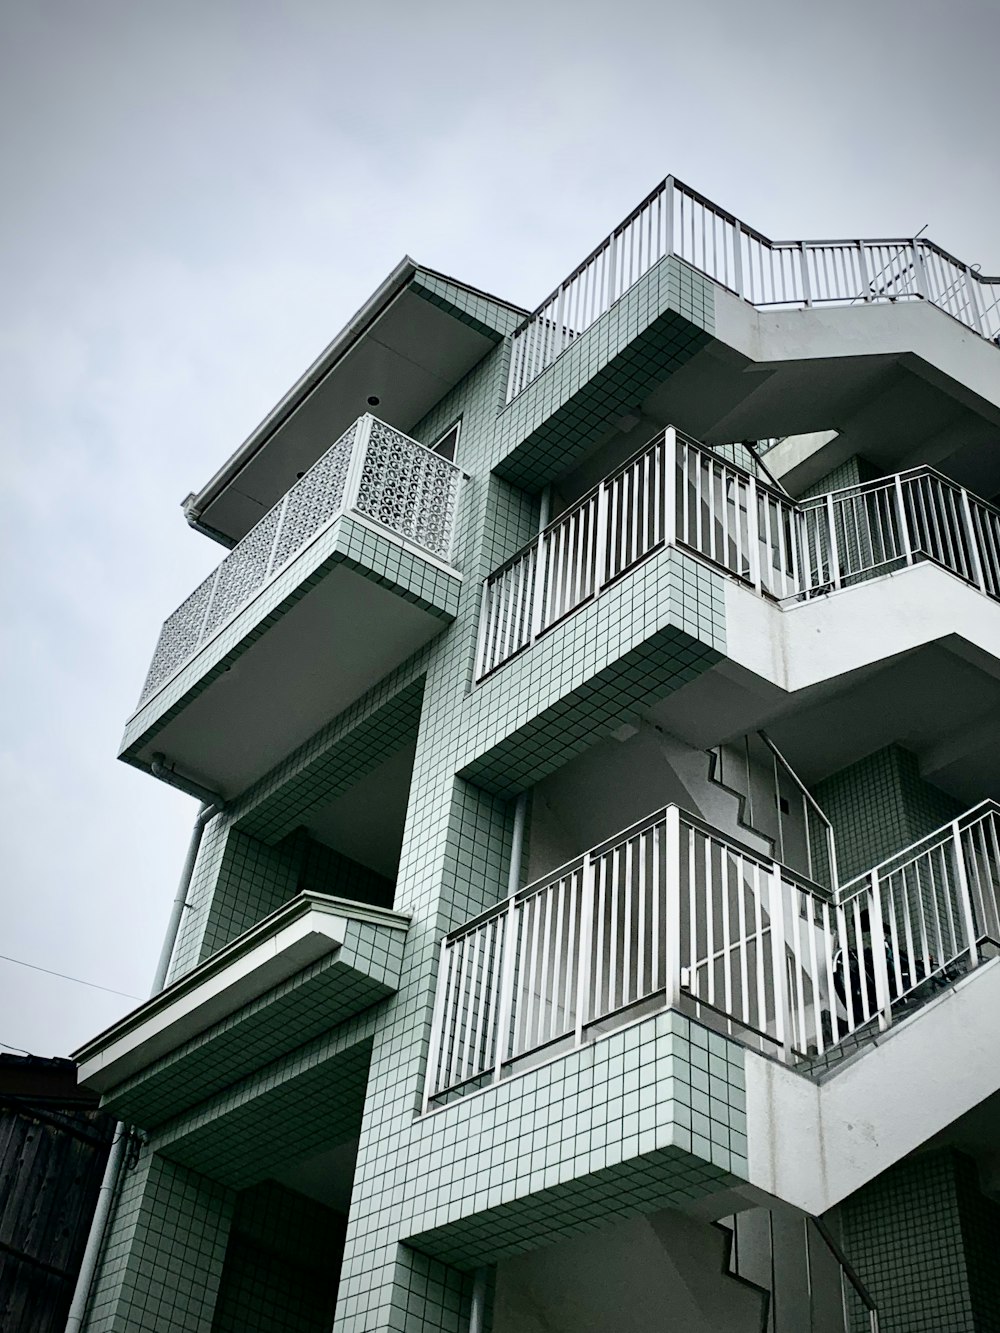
<point x="51" y="1163"/>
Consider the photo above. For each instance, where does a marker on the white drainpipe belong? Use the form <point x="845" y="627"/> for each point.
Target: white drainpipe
<point x="113" y="1173"/>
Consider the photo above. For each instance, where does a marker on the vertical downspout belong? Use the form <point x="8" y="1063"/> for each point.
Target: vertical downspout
<point x="477" y="1310"/>
<point x="113" y="1172"/>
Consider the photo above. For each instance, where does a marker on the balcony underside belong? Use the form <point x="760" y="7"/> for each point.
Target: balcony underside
<point x="311" y="965"/>
<point x="900" y="384"/>
<point x="340" y="617"/>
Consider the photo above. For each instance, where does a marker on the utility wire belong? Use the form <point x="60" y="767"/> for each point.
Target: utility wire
<point x="66" y="977"/>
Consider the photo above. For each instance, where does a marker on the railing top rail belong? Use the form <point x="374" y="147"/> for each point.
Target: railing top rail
<point x="850" y="1272"/>
<point x="753" y="234"/>
<point x="707" y="449"/>
<point x="926" y="843"/>
<point x="640" y="826"/>
<point x="880" y="483"/>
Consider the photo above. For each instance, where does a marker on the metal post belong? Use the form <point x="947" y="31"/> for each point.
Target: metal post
<point x="919" y="277"/>
<point x="883" y="998"/>
<point x="484" y="603"/>
<point x="277" y="534"/>
<point x="506" y="998"/>
<point x="584" y="962"/>
<point x="976" y="562"/>
<point x="965" y="897"/>
<point x="753" y="533"/>
<point x="779" y="965"/>
<point x="669" y="240"/>
<point x="834" y="546"/>
<point x="672" y="914"/>
<point x="437" y="1023"/>
<point x="359" y="452"/>
<point x="670" y="468"/>
<point x="541" y="563"/>
<point x="738" y="259"/>
<point x="904" y="526"/>
<point x="804" y="265"/>
<point x="971" y="288"/>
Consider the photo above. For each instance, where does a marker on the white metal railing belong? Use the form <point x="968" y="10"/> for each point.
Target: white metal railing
<point x="373" y="470"/>
<point x="676" y="220"/>
<point x="677" y="492"/>
<point x="673" y="913"/>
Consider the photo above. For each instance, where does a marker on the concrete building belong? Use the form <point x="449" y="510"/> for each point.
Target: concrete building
<point x="594" y="910"/>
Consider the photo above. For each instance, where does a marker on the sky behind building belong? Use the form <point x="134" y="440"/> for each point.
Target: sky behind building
<point x="198" y="198"/>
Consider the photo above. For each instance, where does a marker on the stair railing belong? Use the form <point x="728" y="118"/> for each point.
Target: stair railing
<point x="675" y="492"/>
<point x="676" y="220"/>
<point x="672" y="913"/>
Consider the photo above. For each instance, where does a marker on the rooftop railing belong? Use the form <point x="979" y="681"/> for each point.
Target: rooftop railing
<point x="672" y="913"/>
<point x="373" y="470"/>
<point x="676" y="220"/>
<point x="675" y="492"/>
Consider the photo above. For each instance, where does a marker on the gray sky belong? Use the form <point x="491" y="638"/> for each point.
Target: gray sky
<point x="198" y="196"/>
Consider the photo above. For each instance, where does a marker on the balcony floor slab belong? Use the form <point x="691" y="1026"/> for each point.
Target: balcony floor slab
<point x="356" y="597"/>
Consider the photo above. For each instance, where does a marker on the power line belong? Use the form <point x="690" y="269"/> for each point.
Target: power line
<point x="66" y="977"/>
<point x="19" y="1049"/>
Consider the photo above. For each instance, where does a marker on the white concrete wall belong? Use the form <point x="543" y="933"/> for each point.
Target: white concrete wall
<point x="813" y="1144"/>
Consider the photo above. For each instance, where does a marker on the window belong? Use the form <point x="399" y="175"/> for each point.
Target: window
<point x="445" y="446"/>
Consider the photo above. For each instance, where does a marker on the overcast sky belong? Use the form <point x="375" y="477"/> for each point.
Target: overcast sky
<point x="197" y="196"/>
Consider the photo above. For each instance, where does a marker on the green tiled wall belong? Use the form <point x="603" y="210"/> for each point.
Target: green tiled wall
<point x="925" y="1242"/>
<point x="162" y="1263"/>
<point x="278" y="1274"/>
<point x="852" y="472"/>
<point x="880" y="805"/>
<point x="648" y="1116"/>
<point x="658" y="325"/>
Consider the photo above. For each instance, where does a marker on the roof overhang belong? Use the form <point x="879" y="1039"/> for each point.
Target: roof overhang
<point x="309" y="927"/>
<point x="410" y="343"/>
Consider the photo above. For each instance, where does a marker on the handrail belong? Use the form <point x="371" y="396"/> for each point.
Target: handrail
<point x="895" y="860"/>
<point x="674" y="219"/>
<point x="847" y="1269"/>
<point x="372" y="469"/>
<point x="673" y="913"/>
<point x="676" y="492"/>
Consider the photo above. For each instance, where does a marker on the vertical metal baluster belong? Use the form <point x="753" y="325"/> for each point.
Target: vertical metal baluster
<point x="779" y="970"/>
<point x="727" y="940"/>
<point x="758" y="921"/>
<point x="743" y="925"/>
<point x="694" y="898"/>
<point x="965" y="900"/>
<point x="614" y="931"/>
<point x="654" y="912"/>
<point x="641" y="937"/>
<point x="601" y="894"/>
<point x="432" y="1074"/>
<point x="477" y="1005"/>
<point x="831" y="990"/>
<point x="628" y="889"/>
<point x="506" y="1007"/>
<point x="584" y="965"/>
<point x="814" y="969"/>
<point x="672" y="906"/>
<point x="883" y="995"/>
<point x="461" y="1000"/>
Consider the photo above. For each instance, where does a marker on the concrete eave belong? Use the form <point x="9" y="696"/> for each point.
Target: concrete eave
<point x="305" y="929"/>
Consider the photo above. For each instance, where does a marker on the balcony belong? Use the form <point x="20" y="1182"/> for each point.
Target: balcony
<point x="356" y="554"/>
<point x="675" y="492"/>
<point x="673" y="914"/>
<point x="677" y="221"/>
<point x="315" y="962"/>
